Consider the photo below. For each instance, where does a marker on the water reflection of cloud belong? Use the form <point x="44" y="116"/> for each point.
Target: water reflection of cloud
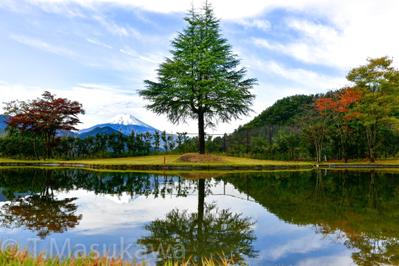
<point x="337" y="259"/>
<point x="106" y="213"/>
<point x="301" y="245"/>
<point x="107" y="218"/>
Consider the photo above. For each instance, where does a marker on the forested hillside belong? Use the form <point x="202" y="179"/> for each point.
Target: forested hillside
<point x="278" y="132"/>
<point x="283" y="112"/>
<point x="356" y="122"/>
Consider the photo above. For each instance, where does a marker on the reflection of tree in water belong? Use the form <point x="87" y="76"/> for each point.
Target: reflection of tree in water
<point x="363" y="207"/>
<point x="360" y="207"/>
<point x="39" y="210"/>
<point x="374" y="251"/>
<point x="41" y="214"/>
<point x="208" y="234"/>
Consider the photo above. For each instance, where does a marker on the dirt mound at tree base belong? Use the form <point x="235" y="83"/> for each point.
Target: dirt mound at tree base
<point x="200" y="158"/>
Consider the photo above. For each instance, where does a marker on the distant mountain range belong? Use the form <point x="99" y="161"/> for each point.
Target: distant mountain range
<point x="124" y="124"/>
<point x="3" y="123"/>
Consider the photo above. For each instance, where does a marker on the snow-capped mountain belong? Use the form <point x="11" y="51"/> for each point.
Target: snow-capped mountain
<point x="124" y="124"/>
<point x="126" y="119"/>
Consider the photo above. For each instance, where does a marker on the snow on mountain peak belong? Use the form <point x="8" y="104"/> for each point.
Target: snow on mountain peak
<point x="127" y="119"/>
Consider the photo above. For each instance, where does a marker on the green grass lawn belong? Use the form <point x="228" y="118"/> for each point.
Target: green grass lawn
<point x="173" y="160"/>
<point x="159" y="160"/>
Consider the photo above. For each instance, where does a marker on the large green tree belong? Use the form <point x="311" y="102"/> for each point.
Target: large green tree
<point x="379" y="84"/>
<point x="202" y="80"/>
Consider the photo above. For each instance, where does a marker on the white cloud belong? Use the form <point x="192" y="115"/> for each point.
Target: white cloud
<point x="225" y="9"/>
<point x="261" y="24"/>
<point x="98" y="43"/>
<point x="354" y="31"/>
<point x="42" y="45"/>
<point x="308" y="81"/>
<point x="350" y="32"/>
<point x="136" y="67"/>
<point x="116" y="29"/>
<point x="316" y="44"/>
<point x="150" y="58"/>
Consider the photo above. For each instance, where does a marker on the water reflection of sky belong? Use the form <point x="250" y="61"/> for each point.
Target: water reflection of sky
<point x="115" y="223"/>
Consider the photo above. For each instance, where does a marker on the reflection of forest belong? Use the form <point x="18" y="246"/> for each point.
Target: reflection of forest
<point x="34" y="180"/>
<point x="362" y="205"/>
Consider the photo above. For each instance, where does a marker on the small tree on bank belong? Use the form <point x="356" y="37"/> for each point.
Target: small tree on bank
<point x="202" y="80"/>
<point x="44" y="116"/>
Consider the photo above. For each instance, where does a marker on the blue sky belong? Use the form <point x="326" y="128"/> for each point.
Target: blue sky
<point x="100" y="51"/>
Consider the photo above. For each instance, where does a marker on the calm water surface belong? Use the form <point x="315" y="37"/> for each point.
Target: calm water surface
<point x="275" y="218"/>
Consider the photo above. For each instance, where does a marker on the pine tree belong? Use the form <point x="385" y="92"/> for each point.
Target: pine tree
<point x="202" y="80"/>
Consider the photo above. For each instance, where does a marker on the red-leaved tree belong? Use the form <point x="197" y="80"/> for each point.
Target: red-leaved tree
<point x="44" y="117"/>
<point x="339" y="109"/>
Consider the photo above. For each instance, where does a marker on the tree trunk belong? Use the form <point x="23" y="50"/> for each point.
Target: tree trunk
<point x="318" y="150"/>
<point x="201" y="133"/>
<point x="370" y="133"/>
<point x="247" y="140"/>
<point x="48" y="144"/>
<point x="34" y="148"/>
<point x="201" y="206"/>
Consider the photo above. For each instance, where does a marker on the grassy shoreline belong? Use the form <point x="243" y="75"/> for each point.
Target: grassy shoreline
<point x="173" y="162"/>
<point x="164" y="162"/>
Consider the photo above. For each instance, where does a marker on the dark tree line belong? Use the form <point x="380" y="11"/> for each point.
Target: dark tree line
<point x="25" y="145"/>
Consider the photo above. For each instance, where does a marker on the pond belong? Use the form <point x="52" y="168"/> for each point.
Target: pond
<point x="261" y="218"/>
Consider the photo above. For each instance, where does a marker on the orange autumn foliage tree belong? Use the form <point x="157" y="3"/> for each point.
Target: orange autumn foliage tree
<point x="339" y="110"/>
<point x="346" y="98"/>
